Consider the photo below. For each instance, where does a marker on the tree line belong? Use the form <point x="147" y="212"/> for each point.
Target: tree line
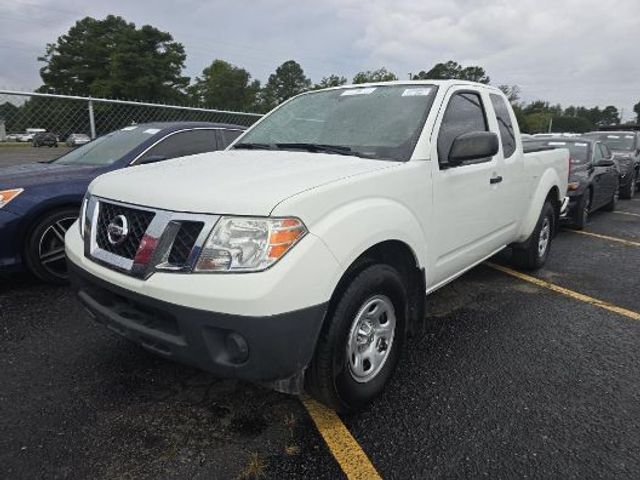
<point x="115" y="59"/>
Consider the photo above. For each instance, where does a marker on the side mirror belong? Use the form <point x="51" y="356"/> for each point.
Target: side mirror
<point x="472" y="146"/>
<point x="152" y="159"/>
<point x="605" y="162"/>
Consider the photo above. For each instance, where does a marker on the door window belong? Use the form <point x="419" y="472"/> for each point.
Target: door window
<point x="229" y="136"/>
<point x="184" y="143"/>
<point x="597" y="153"/>
<point x="465" y="113"/>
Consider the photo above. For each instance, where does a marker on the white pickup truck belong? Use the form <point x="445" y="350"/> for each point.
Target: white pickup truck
<point x="301" y="256"/>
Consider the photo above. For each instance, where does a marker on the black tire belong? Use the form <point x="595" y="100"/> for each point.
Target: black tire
<point x="528" y="255"/>
<point x="330" y="377"/>
<point x="583" y="210"/>
<point x="611" y="206"/>
<point x="629" y="190"/>
<point x="42" y="252"/>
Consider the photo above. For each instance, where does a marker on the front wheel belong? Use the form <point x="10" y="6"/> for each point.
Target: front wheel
<point x="360" y="344"/>
<point x="44" y="250"/>
<point x="532" y="254"/>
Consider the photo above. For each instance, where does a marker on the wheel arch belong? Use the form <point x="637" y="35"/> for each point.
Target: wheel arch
<point x="400" y="256"/>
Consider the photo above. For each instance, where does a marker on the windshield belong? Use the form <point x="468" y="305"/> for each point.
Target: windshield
<point x="578" y="151"/>
<point x="109" y="148"/>
<point x="381" y="122"/>
<point x="616" y="141"/>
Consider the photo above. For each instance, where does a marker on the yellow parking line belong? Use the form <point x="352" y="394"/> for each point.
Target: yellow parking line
<point x="354" y="462"/>
<point x="622" y="212"/>
<point x="565" y="291"/>
<point x="629" y="243"/>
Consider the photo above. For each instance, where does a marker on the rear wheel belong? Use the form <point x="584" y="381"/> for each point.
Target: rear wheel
<point x="44" y="251"/>
<point x="533" y="253"/>
<point x="360" y="344"/>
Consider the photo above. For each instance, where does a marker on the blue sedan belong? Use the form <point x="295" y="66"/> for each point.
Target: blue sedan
<point x="40" y="201"/>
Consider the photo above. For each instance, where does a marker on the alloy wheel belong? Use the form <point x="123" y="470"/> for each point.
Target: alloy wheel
<point x="51" y="247"/>
<point x="544" y="237"/>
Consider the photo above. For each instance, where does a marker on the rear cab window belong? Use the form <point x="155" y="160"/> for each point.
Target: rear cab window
<point x="507" y="133"/>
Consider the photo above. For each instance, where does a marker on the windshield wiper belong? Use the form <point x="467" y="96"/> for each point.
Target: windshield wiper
<point x="318" y="147"/>
<point x="255" y="146"/>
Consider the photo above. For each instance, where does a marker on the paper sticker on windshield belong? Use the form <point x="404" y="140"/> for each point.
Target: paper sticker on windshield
<point x="358" y="91"/>
<point x="152" y="131"/>
<point x="129" y="128"/>
<point x="613" y="136"/>
<point x="416" y="92"/>
<point x="628" y="136"/>
<point x="557" y="143"/>
<point x="581" y="144"/>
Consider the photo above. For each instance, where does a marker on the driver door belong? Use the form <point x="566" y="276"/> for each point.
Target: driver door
<point x="465" y="197"/>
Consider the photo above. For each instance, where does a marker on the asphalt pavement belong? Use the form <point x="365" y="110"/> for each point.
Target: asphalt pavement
<point x="509" y="380"/>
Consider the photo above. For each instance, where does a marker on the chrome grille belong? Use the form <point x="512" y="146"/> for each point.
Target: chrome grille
<point x="157" y="240"/>
<point x="184" y="242"/>
<point x="138" y="222"/>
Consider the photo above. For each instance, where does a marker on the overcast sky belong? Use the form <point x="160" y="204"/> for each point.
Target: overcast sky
<point x="570" y="52"/>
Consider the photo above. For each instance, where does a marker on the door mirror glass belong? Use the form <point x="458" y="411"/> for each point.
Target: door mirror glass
<point x="473" y="146"/>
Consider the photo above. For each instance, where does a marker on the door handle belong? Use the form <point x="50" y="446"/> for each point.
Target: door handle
<point x="494" y="180"/>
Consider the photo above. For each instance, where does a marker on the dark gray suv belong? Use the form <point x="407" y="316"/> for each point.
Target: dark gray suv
<point x="625" y="145"/>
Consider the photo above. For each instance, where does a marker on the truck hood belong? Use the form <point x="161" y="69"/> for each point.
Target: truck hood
<point x="239" y="182"/>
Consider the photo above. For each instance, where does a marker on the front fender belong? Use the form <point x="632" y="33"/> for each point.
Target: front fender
<point x="351" y="229"/>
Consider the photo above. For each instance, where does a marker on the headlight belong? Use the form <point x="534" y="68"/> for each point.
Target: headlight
<point x="82" y="220"/>
<point x="7" y="195"/>
<point x="248" y="244"/>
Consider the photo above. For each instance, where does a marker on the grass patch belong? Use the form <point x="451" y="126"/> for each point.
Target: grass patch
<point x="14" y="144"/>
<point x="254" y="469"/>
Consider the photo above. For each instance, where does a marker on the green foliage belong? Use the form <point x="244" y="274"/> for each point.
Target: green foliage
<point x="521" y="117"/>
<point x="8" y="111"/>
<point x="538" y="122"/>
<point x="540" y="106"/>
<point x="453" y="70"/>
<point x="380" y="75"/>
<point x="330" y="81"/>
<point x="565" y="123"/>
<point x="113" y="58"/>
<point x="287" y="81"/>
<point x="636" y="109"/>
<point x="226" y="87"/>
<point x="609" y="116"/>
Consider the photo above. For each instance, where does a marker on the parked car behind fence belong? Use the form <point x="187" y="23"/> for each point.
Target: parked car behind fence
<point x="39" y="201"/>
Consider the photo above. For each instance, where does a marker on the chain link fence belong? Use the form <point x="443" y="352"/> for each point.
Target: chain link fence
<point x="25" y="112"/>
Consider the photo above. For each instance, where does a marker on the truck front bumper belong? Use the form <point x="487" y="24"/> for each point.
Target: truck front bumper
<point x="254" y="348"/>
